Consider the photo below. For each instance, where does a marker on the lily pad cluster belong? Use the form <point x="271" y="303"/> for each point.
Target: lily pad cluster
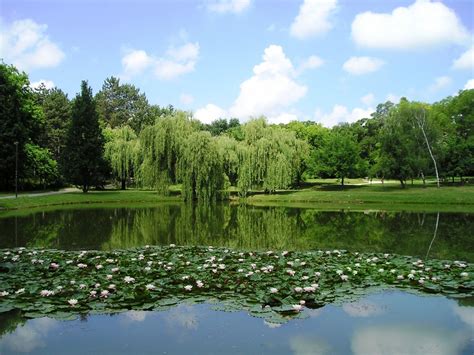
<point x="274" y="285"/>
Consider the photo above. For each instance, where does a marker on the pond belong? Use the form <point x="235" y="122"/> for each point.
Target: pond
<point x="390" y="319"/>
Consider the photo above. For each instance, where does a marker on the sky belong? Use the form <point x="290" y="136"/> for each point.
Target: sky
<point x="328" y="61"/>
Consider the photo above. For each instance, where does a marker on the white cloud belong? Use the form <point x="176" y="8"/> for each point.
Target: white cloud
<point x="226" y="6"/>
<point x="186" y="99"/>
<point x="284" y="117"/>
<point x="469" y="85"/>
<point x="209" y="113"/>
<point x="341" y="114"/>
<point x="28" y="337"/>
<point x="135" y="62"/>
<point x="313" y="18"/>
<point x="440" y="83"/>
<point x="362" y="65"/>
<point x="465" y="61"/>
<point x="362" y="309"/>
<point x="306" y="345"/>
<point x="48" y="84"/>
<point x="271" y="88"/>
<point x="407" y="339"/>
<point x="466" y="314"/>
<point x="311" y="62"/>
<point x="368" y="99"/>
<point x="176" y="62"/>
<point x="420" y="25"/>
<point x="26" y="45"/>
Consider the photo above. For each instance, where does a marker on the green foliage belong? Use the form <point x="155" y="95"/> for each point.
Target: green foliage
<point x="41" y="166"/>
<point x="120" y="151"/>
<point x="84" y="163"/>
<point x="340" y="155"/>
<point x="159" y="151"/>
<point x="20" y="121"/>
<point x="122" y="104"/>
<point x="200" y="168"/>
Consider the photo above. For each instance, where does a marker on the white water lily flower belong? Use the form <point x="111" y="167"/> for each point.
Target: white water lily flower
<point x="411" y="276"/>
<point x="317" y="274"/>
<point x="147" y="268"/>
<point x="309" y="289"/>
<point x="72" y="302"/>
<point x="46" y="293"/>
<point x="82" y="286"/>
<point x="464" y="274"/>
<point x="54" y="266"/>
<point x="434" y="279"/>
<point x="241" y="260"/>
<point x="81" y="266"/>
<point x="97" y="285"/>
<point x="112" y="287"/>
<point x="185" y="277"/>
<point x="344" y="277"/>
<point x="93" y="293"/>
<point x="188" y="287"/>
<point x="400" y="277"/>
<point x="128" y="279"/>
<point x="297" y="307"/>
<point x="98" y="267"/>
<point x="150" y="287"/>
<point x="421" y="281"/>
<point x="305" y="278"/>
<point x="109" y="277"/>
<point x="199" y="283"/>
<point x="386" y="256"/>
<point x="354" y="272"/>
<point x="315" y="286"/>
<point x="283" y="253"/>
<point x="221" y="266"/>
<point x="339" y="272"/>
<point x="172" y="245"/>
<point x="19" y="291"/>
<point x="291" y="272"/>
<point x="393" y="271"/>
<point x="273" y="290"/>
<point x="115" y="269"/>
<point x="104" y="293"/>
<point x="4" y="293"/>
<point x="188" y="263"/>
<point x="240" y="270"/>
<point x="298" y="289"/>
<point x="381" y="270"/>
<point x="357" y="265"/>
<point x="110" y="261"/>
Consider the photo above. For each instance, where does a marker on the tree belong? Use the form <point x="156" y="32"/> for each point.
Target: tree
<point x="200" y="168"/>
<point x="340" y="155"/>
<point x="120" y="152"/>
<point x="84" y="163"/>
<point x="159" y="150"/>
<point x="41" y="168"/>
<point x="20" y="121"/>
<point x="122" y="104"/>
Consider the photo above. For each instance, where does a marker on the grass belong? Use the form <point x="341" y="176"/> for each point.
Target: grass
<point x="320" y="194"/>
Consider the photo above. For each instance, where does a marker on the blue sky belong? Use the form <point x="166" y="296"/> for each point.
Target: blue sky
<point x="325" y="60"/>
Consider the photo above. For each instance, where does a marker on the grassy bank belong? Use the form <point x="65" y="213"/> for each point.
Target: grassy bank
<point x="92" y="197"/>
<point x="314" y="195"/>
<point x="417" y="197"/>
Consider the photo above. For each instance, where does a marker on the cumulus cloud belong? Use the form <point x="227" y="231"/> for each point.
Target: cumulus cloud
<point x="341" y="114"/>
<point x="176" y="62"/>
<point x="270" y="91"/>
<point x="48" y="84"/>
<point x="420" y="25"/>
<point x="209" y="113"/>
<point x="393" y="98"/>
<point x="227" y="6"/>
<point x="26" y="45"/>
<point x="440" y="83"/>
<point x="312" y="62"/>
<point x="271" y="88"/>
<point x="407" y="339"/>
<point x="314" y="18"/>
<point x="469" y="85"/>
<point x="465" y="61"/>
<point x="362" y="65"/>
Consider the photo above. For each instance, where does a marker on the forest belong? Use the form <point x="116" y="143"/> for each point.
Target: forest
<point x="116" y="136"/>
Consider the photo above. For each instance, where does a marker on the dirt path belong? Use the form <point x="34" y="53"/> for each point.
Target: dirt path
<point x="61" y="191"/>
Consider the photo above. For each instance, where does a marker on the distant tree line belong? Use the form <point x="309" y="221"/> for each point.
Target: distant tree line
<point x="117" y="136"/>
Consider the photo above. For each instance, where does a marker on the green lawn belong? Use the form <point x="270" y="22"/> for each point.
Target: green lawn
<point x="315" y="194"/>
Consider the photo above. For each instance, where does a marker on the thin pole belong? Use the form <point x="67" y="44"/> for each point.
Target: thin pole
<point x="16" y="169"/>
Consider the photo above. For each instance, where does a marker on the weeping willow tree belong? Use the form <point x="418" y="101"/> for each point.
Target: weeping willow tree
<point x="200" y="168"/>
<point x="160" y="149"/>
<point x="273" y="158"/>
<point x="229" y="152"/>
<point x="120" y="152"/>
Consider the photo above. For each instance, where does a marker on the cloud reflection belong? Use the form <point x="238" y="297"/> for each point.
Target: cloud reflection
<point x="407" y="339"/>
<point x="28" y="337"/>
<point x="363" y="309"/>
<point x="303" y="345"/>
<point x="465" y="313"/>
<point x="183" y="316"/>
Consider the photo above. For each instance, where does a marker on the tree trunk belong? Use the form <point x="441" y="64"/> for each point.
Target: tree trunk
<point x="403" y="183"/>
<point x="423" y="178"/>
<point x="84" y="188"/>
<point x="342" y="181"/>
<point x="421" y="124"/>
<point x="123" y="184"/>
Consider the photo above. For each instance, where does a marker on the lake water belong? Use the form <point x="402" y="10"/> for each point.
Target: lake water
<point x="391" y="322"/>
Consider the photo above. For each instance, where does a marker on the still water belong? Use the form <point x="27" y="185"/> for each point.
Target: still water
<point x="385" y="323"/>
<point x="442" y="236"/>
<point x="389" y="322"/>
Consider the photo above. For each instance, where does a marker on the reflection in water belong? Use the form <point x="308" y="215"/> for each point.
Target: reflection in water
<point x="408" y="339"/>
<point x="410" y="324"/>
<point x="363" y="309"/>
<point x="28" y="337"/>
<point x="245" y="227"/>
